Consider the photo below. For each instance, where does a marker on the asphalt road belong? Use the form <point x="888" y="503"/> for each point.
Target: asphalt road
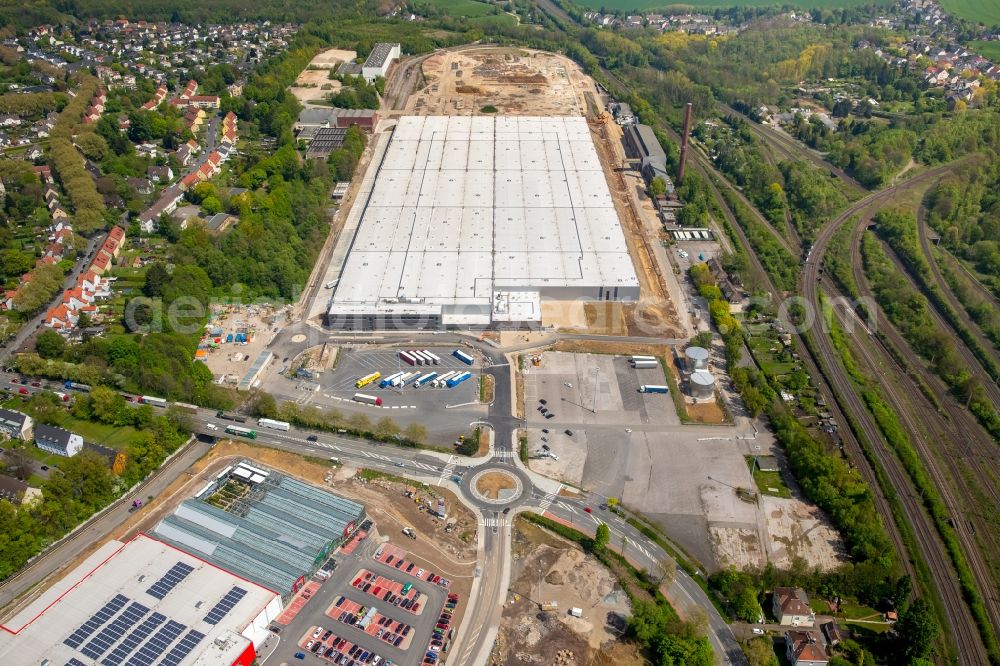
<point x="29" y="328"/>
<point x="98" y="528"/>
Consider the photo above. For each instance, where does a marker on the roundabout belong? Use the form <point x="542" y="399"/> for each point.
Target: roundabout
<point x="495" y="486"/>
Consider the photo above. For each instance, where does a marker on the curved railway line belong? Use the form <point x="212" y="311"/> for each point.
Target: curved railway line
<point x="949" y="294"/>
<point x="957" y="436"/>
<point x="961" y="627"/>
<point x="793" y="149"/>
<point x="960" y="622"/>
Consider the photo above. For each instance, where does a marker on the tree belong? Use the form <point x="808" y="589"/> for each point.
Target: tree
<point x="759" y="651"/>
<point x="746" y="606"/>
<point x="664" y="571"/>
<point x="386" y="428"/>
<point x="602" y="537"/>
<point x="156" y="277"/>
<point x="50" y="344"/>
<point x="702" y="339"/>
<point x="359" y="422"/>
<point x="657" y="188"/>
<point x="416" y="432"/>
<point x="917" y="629"/>
<point x="262" y="404"/>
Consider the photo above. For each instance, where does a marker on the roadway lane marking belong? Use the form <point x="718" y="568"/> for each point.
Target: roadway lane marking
<point x="549" y="497"/>
<point x="448" y="469"/>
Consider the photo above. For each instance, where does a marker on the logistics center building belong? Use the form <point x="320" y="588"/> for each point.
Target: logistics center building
<point x="474" y="220"/>
<point x="142" y="603"/>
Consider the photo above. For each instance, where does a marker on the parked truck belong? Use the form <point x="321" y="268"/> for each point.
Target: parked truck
<point x="435" y="359"/>
<point x="644" y="365"/>
<point x="388" y="380"/>
<point x="440" y="381"/>
<point x="463" y="357"/>
<point x="458" y="379"/>
<point x="367" y="399"/>
<point x="423" y="379"/>
<point x="407" y="358"/>
<point x="274" y="425"/>
<point x="653" y="388"/>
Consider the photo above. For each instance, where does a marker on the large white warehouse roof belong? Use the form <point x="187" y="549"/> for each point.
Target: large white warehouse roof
<point x="140" y="603"/>
<point x="465" y="207"/>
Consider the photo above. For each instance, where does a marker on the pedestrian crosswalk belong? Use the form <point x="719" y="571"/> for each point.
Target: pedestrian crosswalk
<point x="447" y="471"/>
<point x="549" y="498"/>
<point x="425" y="466"/>
<point x="503" y="454"/>
<point x="492" y="522"/>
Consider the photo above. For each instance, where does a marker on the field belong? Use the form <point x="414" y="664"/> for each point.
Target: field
<point x="481" y="12"/>
<point x="712" y="4"/>
<point x="982" y="11"/>
<point x="989" y="50"/>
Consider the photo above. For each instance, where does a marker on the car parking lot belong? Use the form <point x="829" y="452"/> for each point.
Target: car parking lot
<point x="344" y="623"/>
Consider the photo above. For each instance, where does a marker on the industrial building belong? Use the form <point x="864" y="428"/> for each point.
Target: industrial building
<point x="642" y="143"/>
<point x="139" y="603"/>
<point x="262" y="525"/>
<point x="379" y="60"/>
<point x="474" y="220"/>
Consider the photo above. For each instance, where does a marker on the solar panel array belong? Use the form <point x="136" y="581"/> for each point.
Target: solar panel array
<point x="139" y="634"/>
<point x="225" y="605"/>
<point x="75" y="662"/>
<point x="156" y="645"/>
<point x="183" y="649"/>
<point x="96" y="620"/>
<point x="177" y="573"/>
<point x="110" y="634"/>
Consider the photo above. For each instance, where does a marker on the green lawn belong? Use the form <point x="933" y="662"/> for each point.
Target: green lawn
<point x="115" y="437"/>
<point x="481" y="12"/>
<point x="761" y="347"/>
<point x="769" y="483"/>
<point x="982" y="11"/>
<point x="703" y="4"/>
<point x="989" y="50"/>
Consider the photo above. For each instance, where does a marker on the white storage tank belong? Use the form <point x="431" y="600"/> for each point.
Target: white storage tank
<point x="701" y="384"/>
<point x="695" y="358"/>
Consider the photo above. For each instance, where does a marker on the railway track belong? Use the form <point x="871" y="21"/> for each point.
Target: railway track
<point x="955" y="437"/>
<point x="969" y="358"/>
<point x="925" y="246"/>
<point x="793" y="149"/>
<point x="961" y="629"/>
<point x="961" y="626"/>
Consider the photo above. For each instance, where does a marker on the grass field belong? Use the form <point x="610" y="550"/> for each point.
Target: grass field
<point x="981" y="11"/>
<point x="713" y="4"/>
<point x="480" y="12"/>
<point x="989" y="50"/>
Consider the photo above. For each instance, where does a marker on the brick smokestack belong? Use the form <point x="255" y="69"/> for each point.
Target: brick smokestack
<point x="684" y="143"/>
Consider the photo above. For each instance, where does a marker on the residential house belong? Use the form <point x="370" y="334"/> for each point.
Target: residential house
<point x="160" y="174"/>
<point x="16" y="425"/>
<point x="791" y="607"/>
<point x="140" y="185"/>
<point x="56" y="440"/>
<point x="804" y="648"/>
<point x="12" y="489"/>
<point x="205" y="101"/>
<point x="116" y="459"/>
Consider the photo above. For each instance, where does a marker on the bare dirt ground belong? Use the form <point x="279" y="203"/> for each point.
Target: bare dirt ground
<point x="559" y="572"/>
<point x="314" y="83"/>
<point x="230" y="359"/>
<point x="514" y="81"/>
<point x="797" y="529"/>
<point x="706" y="412"/>
<point x="490" y="485"/>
